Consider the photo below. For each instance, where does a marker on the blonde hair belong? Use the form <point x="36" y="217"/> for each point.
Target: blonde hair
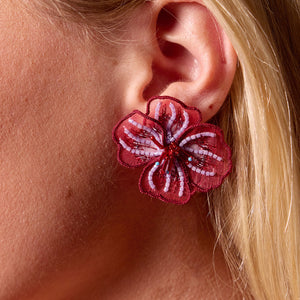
<point x="104" y="17"/>
<point x="256" y="213"/>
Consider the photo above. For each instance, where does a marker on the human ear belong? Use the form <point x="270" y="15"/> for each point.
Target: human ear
<point x="187" y="55"/>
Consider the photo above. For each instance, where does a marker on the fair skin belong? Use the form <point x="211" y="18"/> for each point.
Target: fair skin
<point x="73" y="223"/>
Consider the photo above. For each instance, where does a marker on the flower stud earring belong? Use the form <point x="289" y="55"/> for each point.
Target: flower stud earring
<point x="180" y="154"/>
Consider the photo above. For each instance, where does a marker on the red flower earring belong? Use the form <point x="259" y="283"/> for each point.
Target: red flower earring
<point x="180" y="154"/>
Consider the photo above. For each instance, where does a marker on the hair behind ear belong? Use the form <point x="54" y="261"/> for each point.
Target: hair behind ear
<point x="257" y="210"/>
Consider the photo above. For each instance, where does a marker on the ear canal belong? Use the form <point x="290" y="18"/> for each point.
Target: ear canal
<point x="171" y="33"/>
<point x="174" y="62"/>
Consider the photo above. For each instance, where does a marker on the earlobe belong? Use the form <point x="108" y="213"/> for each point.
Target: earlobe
<point x="194" y="60"/>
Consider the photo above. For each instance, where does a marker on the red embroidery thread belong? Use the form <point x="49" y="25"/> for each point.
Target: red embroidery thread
<point x="180" y="154"/>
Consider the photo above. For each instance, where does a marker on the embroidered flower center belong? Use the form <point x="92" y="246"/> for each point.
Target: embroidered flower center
<point x="170" y="153"/>
<point x="173" y="149"/>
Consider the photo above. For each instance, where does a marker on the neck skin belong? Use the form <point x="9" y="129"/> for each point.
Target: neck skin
<point x="147" y="249"/>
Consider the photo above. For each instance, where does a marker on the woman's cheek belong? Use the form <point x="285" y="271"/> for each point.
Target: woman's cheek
<point x="56" y="163"/>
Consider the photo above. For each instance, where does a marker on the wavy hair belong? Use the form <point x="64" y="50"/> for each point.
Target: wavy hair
<point x="257" y="211"/>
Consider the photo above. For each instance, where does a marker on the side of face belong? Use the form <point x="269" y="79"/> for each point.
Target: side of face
<point x="59" y="100"/>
